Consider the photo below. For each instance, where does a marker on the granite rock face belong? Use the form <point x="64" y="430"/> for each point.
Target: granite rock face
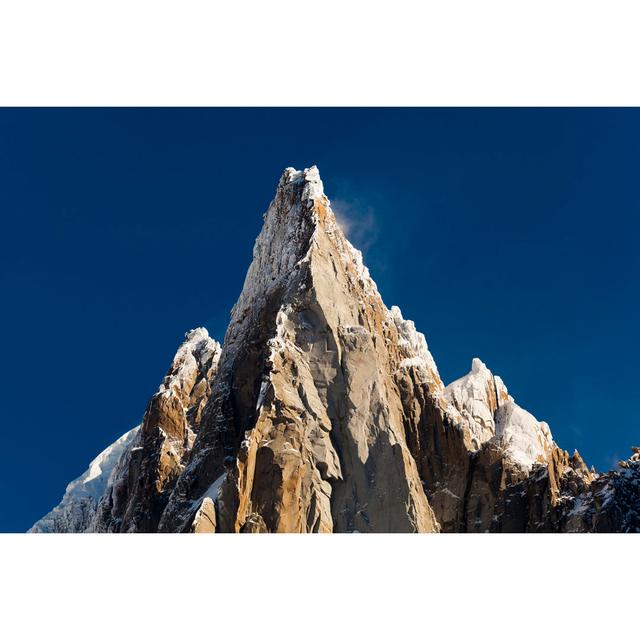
<point x="305" y="421"/>
<point x="324" y="412"/>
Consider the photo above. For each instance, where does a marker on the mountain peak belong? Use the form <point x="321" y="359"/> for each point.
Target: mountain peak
<point x="324" y="411"/>
<point x="304" y="187"/>
<point x="290" y="221"/>
<point x="477" y="366"/>
<point x="309" y="175"/>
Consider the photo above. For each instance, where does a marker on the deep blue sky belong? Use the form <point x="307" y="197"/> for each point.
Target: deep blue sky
<point x="508" y="234"/>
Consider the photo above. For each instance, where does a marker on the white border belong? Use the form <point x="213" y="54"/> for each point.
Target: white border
<point x="334" y="52"/>
<point x="296" y="586"/>
<point x="329" y="52"/>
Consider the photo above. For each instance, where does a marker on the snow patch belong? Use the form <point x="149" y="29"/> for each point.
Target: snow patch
<point x="214" y="490"/>
<point x="484" y="403"/>
<point x="78" y="505"/>
<point x="525" y="439"/>
<point x="476" y="396"/>
<point x="414" y="344"/>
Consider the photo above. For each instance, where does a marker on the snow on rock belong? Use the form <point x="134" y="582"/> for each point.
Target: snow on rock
<point x="611" y="503"/>
<point x="289" y="224"/>
<point x="483" y="401"/>
<point x="75" y="512"/>
<point x="204" y="520"/>
<point x="214" y="490"/>
<point x="524" y="439"/>
<point x="197" y="353"/>
<point x="415" y="345"/>
<point x="476" y="397"/>
<point x="300" y="208"/>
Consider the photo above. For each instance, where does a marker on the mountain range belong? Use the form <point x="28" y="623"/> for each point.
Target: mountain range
<point x="323" y="411"/>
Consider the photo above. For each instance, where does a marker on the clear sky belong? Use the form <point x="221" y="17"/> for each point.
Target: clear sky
<point x="507" y="234"/>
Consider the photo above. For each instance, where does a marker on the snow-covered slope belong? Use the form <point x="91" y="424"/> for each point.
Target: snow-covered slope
<point x="164" y="437"/>
<point x="415" y="345"/>
<point x="477" y="396"/>
<point x="78" y="506"/>
<point x="524" y="439"/>
<point x="492" y="414"/>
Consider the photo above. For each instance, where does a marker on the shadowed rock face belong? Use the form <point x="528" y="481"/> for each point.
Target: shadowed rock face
<point x="324" y="412"/>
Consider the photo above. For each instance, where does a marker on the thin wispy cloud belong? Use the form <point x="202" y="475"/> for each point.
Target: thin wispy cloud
<point x="357" y="221"/>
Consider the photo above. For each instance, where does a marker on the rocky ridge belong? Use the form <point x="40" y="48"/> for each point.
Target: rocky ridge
<point x="324" y="412"/>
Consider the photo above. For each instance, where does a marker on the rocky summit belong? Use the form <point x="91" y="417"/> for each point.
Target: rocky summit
<point x="324" y="411"/>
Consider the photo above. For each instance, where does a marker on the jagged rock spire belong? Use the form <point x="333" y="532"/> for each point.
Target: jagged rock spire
<point x="324" y="412"/>
<point x="147" y="472"/>
<point x="491" y="413"/>
<point x="304" y="387"/>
